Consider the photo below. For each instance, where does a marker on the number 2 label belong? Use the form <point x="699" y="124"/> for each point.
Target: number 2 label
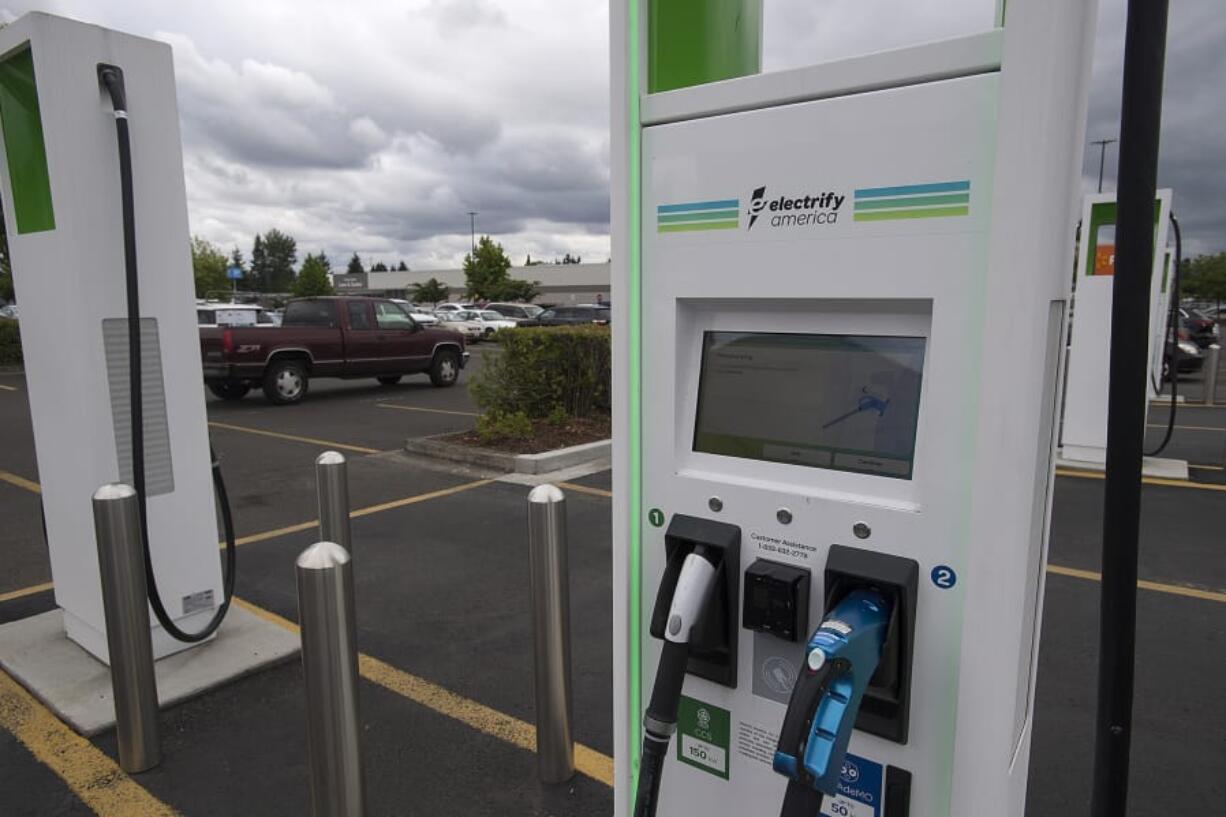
<point x="944" y="577"/>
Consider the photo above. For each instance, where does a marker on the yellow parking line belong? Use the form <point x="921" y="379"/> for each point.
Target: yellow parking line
<point x="478" y="716"/>
<point x="1187" y="428"/>
<point x="21" y="482"/>
<point x="7" y="388"/>
<point x="25" y="591"/>
<point x="428" y="410"/>
<point x="1170" y="483"/>
<point x="295" y="438"/>
<point x="1144" y="584"/>
<point x="586" y="489"/>
<point x="1207" y="467"/>
<point x="93" y="777"/>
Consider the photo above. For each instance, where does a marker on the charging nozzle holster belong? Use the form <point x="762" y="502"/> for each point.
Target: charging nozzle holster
<point x="712" y="649"/>
<point x="840" y="658"/>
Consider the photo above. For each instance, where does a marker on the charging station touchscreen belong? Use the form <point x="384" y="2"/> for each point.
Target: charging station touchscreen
<point x="843" y="402"/>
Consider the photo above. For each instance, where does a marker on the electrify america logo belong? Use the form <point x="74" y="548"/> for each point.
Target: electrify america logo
<point x="808" y="210"/>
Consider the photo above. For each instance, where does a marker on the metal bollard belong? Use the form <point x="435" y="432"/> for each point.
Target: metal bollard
<point x="332" y="485"/>
<point x="121" y="563"/>
<point x="330" y="666"/>
<point x="549" y="583"/>
<point x="1211" y="361"/>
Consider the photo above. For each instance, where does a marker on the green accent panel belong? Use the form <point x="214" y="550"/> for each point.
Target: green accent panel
<point x="931" y="212"/>
<point x="634" y="365"/>
<point x="699" y="225"/>
<point x="692" y="42"/>
<point x="708" y="215"/>
<point x="704" y="736"/>
<point x="23" y="145"/>
<point x="913" y="201"/>
<point x="1103" y="214"/>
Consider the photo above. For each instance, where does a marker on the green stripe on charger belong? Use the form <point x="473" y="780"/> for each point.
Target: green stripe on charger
<point x="698" y="225"/>
<point x="913" y="201"/>
<point x="927" y="212"/>
<point x="710" y="215"/>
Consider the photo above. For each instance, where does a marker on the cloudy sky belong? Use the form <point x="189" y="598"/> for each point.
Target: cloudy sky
<point x="375" y="125"/>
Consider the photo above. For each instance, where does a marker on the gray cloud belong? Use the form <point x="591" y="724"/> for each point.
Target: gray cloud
<point x="375" y="127"/>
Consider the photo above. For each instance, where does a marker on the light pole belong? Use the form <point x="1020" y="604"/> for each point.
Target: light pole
<point x="472" y="224"/>
<point x="1102" y="157"/>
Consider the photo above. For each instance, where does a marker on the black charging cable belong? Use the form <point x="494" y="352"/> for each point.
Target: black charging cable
<point x="1172" y="326"/>
<point x="111" y="79"/>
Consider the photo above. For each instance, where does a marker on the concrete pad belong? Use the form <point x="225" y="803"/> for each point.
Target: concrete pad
<point x="1161" y="467"/>
<point x="77" y="687"/>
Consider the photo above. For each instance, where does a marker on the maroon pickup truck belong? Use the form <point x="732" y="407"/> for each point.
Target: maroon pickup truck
<point x="328" y="337"/>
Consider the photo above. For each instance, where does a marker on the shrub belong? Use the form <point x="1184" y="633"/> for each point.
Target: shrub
<point x="544" y="371"/>
<point x="497" y="425"/>
<point x="10" y="343"/>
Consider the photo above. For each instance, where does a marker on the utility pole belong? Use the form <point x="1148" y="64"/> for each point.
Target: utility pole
<point x="1102" y="157"/>
<point x="472" y="224"/>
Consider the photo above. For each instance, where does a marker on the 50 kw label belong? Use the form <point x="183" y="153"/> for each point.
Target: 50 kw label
<point x="859" y="790"/>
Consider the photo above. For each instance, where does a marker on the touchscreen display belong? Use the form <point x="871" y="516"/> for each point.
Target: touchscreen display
<point x="844" y="402"/>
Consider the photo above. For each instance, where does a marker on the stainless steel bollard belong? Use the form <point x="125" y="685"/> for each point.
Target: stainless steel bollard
<point x="121" y="563"/>
<point x="1211" y="361"/>
<point x="550" y="591"/>
<point x="330" y="665"/>
<point x="332" y="485"/>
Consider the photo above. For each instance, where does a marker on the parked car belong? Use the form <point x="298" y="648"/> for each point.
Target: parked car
<point x="419" y="314"/>
<point x="224" y="314"/>
<point x="516" y="312"/>
<point x="1191" y="358"/>
<point x="341" y="337"/>
<point x="10" y="312"/>
<point x="1197" y="327"/>
<point x="458" y="320"/>
<point x="453" y="307"/>
<point x="494" y="321"/>
<point x="572" y="316"/>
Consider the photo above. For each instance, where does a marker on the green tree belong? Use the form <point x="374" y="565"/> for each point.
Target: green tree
<point x="236" y="260"/>
<point x="281" y="251"/>
<point x="486" y="274"/>
<point x="258" y="274"/>
<point x="516" y="289"/>
<point x="313" y="278"/>
<point x="379" y="266"/>
<point x="403" y="266"/>
<point x="1204" y="277"/>
<point x="430" y="292"/>
<point x="528" y="262"/>
<point x="208" y="268"/>
<point x="355" y="266"/>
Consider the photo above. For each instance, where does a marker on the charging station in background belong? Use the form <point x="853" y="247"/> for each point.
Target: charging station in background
<point x="841" y="296"/>
<point x="1083" y="434"/>
<point x="61" y="192"/>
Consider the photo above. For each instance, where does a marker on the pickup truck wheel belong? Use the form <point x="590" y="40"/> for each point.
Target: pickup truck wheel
<point x="445" y="369"/>
<point x="229" y="389"/>
<point x="389" y="380"/>
<point x="285" y="381"/>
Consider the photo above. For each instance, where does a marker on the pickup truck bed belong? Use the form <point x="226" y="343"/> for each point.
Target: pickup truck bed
<point x="328" y="337"/>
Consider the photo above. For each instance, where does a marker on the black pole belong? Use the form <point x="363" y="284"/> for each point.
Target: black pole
<point x="1140" y="121"/>
<point x="1102" y="158"/>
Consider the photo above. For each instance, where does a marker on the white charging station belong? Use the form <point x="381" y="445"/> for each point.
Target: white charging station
<point x="60" y="183"/>
<point x="1084" y="432"/>
<point x="840" y="298"/>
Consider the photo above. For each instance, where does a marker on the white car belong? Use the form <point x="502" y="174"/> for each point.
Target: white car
<point x="453" y="307"/>
<point x="10" y="312"/>
<point x="223" y="314"/>
<point x="419" y="315"/>
<point x="494" y="321"/>
<point x="455" y="319"/>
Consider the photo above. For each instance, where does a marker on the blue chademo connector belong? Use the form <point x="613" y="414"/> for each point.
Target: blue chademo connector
<point x="841" y="657"/>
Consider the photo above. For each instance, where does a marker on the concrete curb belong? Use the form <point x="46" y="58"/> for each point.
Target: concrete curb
<point x="542" y="463"/>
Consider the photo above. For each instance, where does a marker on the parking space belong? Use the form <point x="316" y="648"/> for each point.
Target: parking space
<point x="442" y="591"/>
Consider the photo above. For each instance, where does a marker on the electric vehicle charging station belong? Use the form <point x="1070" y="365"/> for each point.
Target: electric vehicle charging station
<point x="61" y="183"/>
<point x="841" y="297"/>
<point x="1084" y="431"/>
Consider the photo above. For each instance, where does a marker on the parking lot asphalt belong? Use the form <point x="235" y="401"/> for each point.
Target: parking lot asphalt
<point x="441" y="584"/>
